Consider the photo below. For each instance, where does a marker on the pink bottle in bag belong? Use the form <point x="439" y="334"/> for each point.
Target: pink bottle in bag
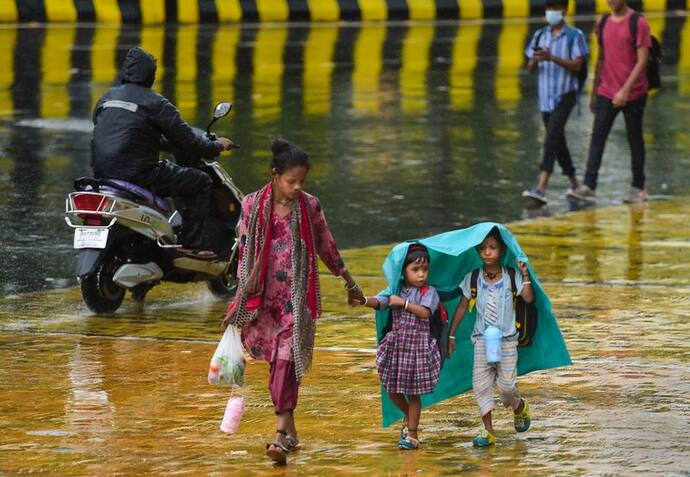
<point x="233" y="414"/>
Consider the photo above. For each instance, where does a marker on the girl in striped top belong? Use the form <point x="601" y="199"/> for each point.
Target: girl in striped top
<point x="494" y="302"/>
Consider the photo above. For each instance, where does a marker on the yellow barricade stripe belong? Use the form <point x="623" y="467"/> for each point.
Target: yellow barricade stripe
<point x="654" y="5"/>
<point x="187" y="11"/>
<point x="373" y="10"/>
<point x="517" y="8"/>
<point x="471" y="9"/>
<point x="229" y="10"/>
<point x="152" y="11"/>
<point x="60" y="11"/>
<point x="422" y="9"/>
<point x="318" y="68"/>
<point x="601" y="6"/>
<point x="324" y="10"/>
<point x="272" y="10"/>
<point x="8" y="12"/>
<point x="107" y="11"/>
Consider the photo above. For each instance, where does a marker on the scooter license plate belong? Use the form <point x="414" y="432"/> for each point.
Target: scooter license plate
<point x="90" y="238"/>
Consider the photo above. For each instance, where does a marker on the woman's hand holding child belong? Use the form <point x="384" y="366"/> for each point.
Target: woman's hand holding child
<point x="355" y="296"/>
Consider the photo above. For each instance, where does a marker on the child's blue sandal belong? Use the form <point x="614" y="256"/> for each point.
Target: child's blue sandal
<point x="403" y="431"/>
<point x="484" y="439"/>
<point x="524" y="419"/>
<point x="408" y="442"/>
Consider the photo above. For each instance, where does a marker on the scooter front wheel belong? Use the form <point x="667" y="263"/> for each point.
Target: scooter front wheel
<point x="98" y="290"/>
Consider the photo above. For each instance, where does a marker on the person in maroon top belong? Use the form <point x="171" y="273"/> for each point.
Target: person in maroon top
<point x="620" y="84"/>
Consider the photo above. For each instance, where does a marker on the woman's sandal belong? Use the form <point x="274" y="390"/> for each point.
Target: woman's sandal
<point x="292" y="443"/>
<point x="276" y="451"/>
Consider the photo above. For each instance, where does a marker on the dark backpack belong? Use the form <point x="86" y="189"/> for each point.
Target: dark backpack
<point x="525" y="313"/>
<point x="438" y="325"/>
<point x="571" y="34"/>
<point x="655" y="55"/>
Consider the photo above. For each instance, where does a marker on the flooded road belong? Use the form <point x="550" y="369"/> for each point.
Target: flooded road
<point x="127" y="394"/>
<point x="441" y="116"/>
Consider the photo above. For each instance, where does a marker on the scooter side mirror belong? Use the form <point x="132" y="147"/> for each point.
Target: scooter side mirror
<point x="222" y="109"/>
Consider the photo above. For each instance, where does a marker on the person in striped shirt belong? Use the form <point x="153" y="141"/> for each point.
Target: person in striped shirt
<point x="558" y="52"/>
<point x="494" y="305"/>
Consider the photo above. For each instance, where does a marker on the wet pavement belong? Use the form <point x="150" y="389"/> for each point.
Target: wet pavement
<point x="127" y="394"/>
<point x="413" y="128"/>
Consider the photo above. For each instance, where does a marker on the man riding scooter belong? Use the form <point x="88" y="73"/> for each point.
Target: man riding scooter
<point x="129" y="120"/>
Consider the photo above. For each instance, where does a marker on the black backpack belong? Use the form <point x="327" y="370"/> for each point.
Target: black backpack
<point x="525" y="313"/>
<point x="655" y="55"/>
<point x="572" y="34"/>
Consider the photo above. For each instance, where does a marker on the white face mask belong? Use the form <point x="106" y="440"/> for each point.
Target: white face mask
<point x="554" y="17"/>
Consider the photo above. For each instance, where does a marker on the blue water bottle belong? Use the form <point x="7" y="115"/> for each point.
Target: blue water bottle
<point x="492" y="344"/>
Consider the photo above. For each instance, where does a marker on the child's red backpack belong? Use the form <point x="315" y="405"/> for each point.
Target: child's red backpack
<point x="525" y="313"/>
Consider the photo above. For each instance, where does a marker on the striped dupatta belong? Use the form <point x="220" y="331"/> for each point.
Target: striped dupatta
<point x="253" y="263"/>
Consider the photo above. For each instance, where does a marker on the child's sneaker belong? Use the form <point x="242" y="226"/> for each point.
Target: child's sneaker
<point x="582" y="192"/>
<point x="524" y="419"/>
<point x="484" y="439"/>
<point x="535" y="195"/>
<point x="635" y="196"/>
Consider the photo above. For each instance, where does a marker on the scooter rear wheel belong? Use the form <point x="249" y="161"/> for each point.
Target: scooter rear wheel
<point x="98" y="290"/>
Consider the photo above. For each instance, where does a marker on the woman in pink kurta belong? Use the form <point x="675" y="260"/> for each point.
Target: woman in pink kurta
<point x="282" y="230"/>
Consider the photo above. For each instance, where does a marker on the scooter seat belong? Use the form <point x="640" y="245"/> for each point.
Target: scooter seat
<point x="137" y="191"/>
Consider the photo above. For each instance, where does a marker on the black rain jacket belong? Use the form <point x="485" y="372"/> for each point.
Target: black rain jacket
<point x="129" y="120"/>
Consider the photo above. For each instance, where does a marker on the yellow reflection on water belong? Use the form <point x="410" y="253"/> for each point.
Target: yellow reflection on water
<point x="56" y="71"/>
<point x="8" y="38"/>
<point x="132" y="386"/>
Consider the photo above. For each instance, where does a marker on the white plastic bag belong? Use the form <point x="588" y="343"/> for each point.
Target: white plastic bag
<point x="227" y="364"/>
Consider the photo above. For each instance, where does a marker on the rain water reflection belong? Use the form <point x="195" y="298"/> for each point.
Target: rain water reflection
<point x="127" y="394"/>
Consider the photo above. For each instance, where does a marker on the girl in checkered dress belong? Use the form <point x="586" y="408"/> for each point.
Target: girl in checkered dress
<point x="408" y="358"/>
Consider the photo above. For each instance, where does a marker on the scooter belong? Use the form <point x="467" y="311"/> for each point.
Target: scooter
<point x="127" y="236"/>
